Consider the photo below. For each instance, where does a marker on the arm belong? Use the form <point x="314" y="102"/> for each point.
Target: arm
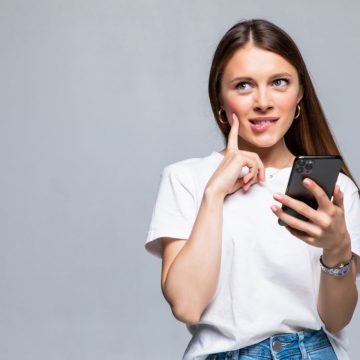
<point x="337" y="295"/>
<point x="190" y="280"/>
<point x="327" y="229"/>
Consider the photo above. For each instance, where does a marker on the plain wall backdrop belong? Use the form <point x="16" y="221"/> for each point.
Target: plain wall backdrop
<point x="96" y="97"/>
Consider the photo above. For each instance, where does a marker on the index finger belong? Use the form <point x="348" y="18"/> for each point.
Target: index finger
<point x="233" y="134"/>
<point x="319" y="193"/>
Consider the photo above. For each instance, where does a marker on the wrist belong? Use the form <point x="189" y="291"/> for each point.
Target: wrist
<point x="341" y="254"/>
<point x="211" y="193"/>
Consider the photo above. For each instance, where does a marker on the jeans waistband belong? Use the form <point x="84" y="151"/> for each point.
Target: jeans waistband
<point x="282" y="346"/>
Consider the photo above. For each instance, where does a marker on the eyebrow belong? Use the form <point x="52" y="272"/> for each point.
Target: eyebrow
<point x="246" y="78"/>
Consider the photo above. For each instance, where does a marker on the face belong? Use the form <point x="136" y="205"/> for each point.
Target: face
<point x="259" y="83"/>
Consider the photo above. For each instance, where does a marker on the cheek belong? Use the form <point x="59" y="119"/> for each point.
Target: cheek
<point x="238" y="104"/>
<point x="288" y="102"/>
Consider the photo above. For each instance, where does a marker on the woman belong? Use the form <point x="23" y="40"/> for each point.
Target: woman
<point x="246" y="287"/>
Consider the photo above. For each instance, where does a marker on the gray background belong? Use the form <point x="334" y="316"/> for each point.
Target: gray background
<point x="96" y="98"/>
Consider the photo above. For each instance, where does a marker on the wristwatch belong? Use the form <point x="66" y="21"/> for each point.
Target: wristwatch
<point x="339" y="270"/>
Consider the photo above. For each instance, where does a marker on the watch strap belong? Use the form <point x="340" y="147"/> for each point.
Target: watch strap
<point x="339" y="270"/>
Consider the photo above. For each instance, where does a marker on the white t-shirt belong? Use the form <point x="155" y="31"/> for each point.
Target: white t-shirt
<point x="269" y="279"/>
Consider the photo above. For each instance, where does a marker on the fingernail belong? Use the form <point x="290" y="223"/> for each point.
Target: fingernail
<point x="277" y="196"/>
<point x="234" y="116"/>
<point x="273" y="208"/>
<point x="306" y="182"/>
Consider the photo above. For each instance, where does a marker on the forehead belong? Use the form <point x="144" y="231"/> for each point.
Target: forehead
<point x="257" y="63"/>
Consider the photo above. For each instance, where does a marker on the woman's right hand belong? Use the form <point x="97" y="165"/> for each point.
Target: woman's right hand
<point x="225" y="179"/>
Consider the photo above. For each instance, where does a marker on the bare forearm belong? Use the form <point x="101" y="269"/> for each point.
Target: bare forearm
<point x="192" y="277"/>
<point x="337" y="295"/>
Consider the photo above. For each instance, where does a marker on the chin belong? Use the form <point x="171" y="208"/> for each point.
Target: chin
<point x="266" y="143"/>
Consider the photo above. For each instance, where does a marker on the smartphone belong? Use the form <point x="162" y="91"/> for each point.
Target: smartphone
<point x="323" y="169"/>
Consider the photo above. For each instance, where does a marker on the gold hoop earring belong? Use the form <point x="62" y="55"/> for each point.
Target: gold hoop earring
<point x="298" y="107"/>
<point x="219" y="113"/>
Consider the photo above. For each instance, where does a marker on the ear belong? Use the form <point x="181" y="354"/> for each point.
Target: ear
<point x="300" y="96"/>
<point x="220" y="101"/>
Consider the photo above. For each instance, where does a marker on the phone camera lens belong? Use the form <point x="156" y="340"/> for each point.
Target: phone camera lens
<point x="309" y="166"/>
<point x="300" y="169"/>
<point x="301" y="162"/>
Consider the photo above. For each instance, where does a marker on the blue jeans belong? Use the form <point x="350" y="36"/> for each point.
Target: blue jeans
<point x="309" y="344"/>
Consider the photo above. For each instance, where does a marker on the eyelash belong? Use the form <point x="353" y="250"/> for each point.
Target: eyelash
<point x="246" y="82"/>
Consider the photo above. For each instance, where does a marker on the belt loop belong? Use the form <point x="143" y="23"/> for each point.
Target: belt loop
<point x="236" y="354"/>
<point x="304" y="354"/>
<point x="232" y="355"/>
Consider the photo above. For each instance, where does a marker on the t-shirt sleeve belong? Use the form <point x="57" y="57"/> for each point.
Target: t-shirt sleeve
<point x="174" y="210"/>
<point x="352" y="219"/>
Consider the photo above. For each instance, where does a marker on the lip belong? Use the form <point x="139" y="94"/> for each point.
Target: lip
<point x="260" y="118"/>
<point x="263" y="127"/>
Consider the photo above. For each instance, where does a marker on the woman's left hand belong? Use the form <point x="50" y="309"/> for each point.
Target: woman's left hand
<point x="326" y="227"/>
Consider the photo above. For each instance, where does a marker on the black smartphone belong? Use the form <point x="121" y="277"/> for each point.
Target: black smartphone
<point x="323" y="169"/>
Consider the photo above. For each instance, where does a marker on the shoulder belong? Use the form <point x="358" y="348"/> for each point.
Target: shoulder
<point x="191" y="175"/>
<point x="347" y="186"/>
<point x="195" y="167"/>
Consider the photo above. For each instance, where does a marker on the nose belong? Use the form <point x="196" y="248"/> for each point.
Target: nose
<point x="263" y="100"/>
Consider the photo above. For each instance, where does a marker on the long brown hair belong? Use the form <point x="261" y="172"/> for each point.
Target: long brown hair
<point x="310" y="134"/>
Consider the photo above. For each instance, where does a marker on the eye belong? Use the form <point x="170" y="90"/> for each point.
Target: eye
<point x="241" y="85"/>
<point x="286" y="82"/>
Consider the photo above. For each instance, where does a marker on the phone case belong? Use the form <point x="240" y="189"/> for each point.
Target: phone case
<point x="323" y="169"/>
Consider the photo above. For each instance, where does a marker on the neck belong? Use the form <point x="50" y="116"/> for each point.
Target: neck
<point x="277" y="159"/>
<point x="277" y="156"/>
